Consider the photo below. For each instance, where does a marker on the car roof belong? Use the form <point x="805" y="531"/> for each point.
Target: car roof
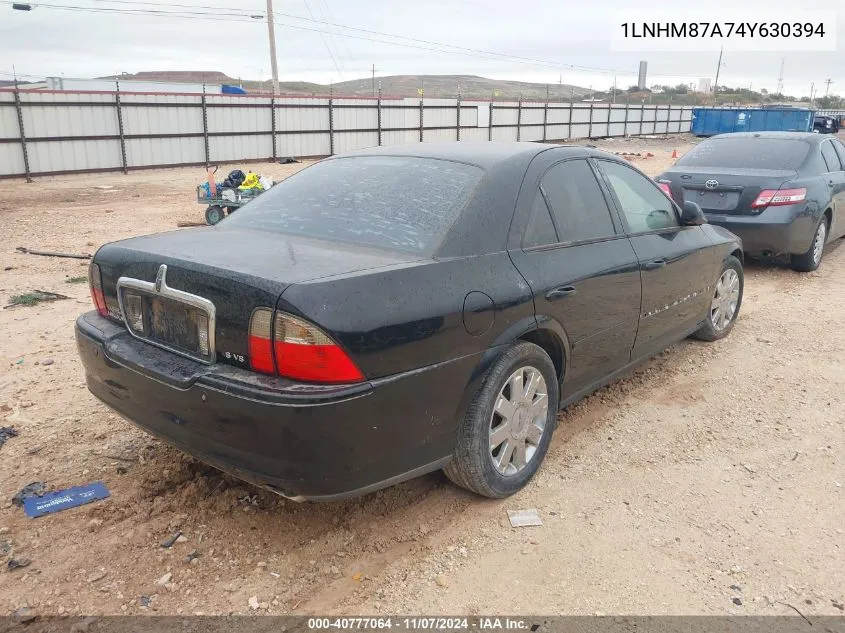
<point x="794" y="136"/>
<point x="484" y="154"/>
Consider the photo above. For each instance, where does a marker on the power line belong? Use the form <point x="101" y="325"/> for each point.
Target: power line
<point x="325" y="43"/>
<point x="429" y="44"/>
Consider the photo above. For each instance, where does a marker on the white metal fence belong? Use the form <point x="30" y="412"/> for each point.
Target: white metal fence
<point x="59" y="132"/>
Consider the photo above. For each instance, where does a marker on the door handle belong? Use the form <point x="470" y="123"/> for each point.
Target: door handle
<point x="654" y="265"/>
<point x="560" y="293"/>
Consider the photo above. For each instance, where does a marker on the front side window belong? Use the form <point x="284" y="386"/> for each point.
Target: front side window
<point x="577" y="203"/>
<point x="644" y="206"/>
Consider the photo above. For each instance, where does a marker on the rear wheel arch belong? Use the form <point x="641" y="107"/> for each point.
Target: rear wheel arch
<point x="546" y="333"/>
<point x="549" y="342"/>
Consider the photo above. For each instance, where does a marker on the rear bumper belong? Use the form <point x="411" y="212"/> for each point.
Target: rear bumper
<point x="302" y="441"/>
<point x="776" y="231"/>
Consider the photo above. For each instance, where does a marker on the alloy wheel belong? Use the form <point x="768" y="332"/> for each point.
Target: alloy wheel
<point x="519" y="420"/>
<point x="725" y="300"/>
<point x="818" y="243"/>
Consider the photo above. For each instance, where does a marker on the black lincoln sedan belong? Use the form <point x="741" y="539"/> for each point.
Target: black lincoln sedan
<point x="394" y="311"/>
<point x="783" y="193"/>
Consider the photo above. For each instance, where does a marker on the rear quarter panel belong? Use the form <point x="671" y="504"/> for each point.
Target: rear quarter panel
<point x="406" y="318"/>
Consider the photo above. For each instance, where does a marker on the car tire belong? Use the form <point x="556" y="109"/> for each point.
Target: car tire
<point x="809" y="261"/>
<point x="479" y="465"/>
<point x="727" y="299"/>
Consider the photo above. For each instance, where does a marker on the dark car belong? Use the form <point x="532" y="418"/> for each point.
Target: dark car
<point x="394" y="311"/>
<point x="825" y="124"/>
<point x="783" y="193"/>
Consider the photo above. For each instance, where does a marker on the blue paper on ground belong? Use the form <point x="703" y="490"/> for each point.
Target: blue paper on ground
<point x="59" y="500"/>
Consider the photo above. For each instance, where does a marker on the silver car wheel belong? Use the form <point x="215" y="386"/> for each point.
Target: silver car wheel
<point x="818" y="243"/>
<point x="725" y="300"/>
<point x="519" y="420"/>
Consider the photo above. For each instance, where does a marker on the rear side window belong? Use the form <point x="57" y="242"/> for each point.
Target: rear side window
<point x="747" y="152"/>
<point x="540" y="231"/>
<point x="644" y="206"/>
<point x="830" y="157"/>
<point x="840" y="149"/>
<point x="576" y="201"/>
<point x="393" y="202"/>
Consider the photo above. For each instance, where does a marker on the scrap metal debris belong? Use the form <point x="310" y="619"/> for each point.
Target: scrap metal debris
<point x="30" y="251"/>
<point x="524" y="518"/>
<point x="168" y="543"/>
<point x="7" y="432"/>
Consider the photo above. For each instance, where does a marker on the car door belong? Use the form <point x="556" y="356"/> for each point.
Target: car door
<point x="833" y="153"/>
<point x="677" y="262"/>
<point x="582" y="269"/>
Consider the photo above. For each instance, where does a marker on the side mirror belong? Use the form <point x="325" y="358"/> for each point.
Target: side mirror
<point x="692" y="215"/>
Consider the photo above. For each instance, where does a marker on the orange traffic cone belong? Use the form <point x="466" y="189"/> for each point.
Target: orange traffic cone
<point x="674" y="153"/>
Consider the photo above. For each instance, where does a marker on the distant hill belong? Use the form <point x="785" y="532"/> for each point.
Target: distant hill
<point x="435" y="86"/>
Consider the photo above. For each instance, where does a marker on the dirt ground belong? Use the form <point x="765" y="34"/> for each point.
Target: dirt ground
<point x="708" y="482"/>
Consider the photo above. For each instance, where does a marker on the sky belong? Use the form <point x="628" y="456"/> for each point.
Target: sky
<point x="543" y="41"/>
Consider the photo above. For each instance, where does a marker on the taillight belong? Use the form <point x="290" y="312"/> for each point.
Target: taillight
<point x="664" y="187"/>
<point x="780" y="197"/>
<point x="95" y="281"/>
<point x="296" y="349"/>
<point x="261" y="341"/>
<point x="304" y="352"/>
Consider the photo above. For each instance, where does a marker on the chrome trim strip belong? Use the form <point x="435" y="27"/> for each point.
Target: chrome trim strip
<point x="161" y="288"/>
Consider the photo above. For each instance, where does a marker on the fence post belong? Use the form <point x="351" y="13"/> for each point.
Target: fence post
<point x="120" y="127"/>
<point x="668" y="119"/>
<point x="569" y="131"/>
<point x="331" y="126"/>
<point x="273" y="126"/>
<point x="627" y="108"/>
<point x="458" y="118"/>
<point x="422" y="113"/>
<point x="378" y="113"/>
<point x="519" y="119"/>
<point x="590" y="126"/>
<point x="490" y="122"/>
<point x="545" y="119"/>
<point x="205" y="126"/>
<point x="22" y="134"/>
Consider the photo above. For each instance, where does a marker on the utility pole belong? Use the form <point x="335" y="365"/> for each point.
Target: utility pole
<point x="374" y="80"/>
<point x="272" y="32"/>
<point x="827" y="83"/>
<point x="613" y="98"/>
<point x="780" y="77"/>
<point x="812" y="88"/>
<point x="716" y="82"/>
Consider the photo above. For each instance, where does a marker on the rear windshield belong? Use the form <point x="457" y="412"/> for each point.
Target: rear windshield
<point x="394" y="202"/>
<point x="747" y="152"/>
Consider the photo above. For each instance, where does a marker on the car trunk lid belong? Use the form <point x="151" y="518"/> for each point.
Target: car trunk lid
<point x="220" y="275"/>
<point x="719" y="191"/>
